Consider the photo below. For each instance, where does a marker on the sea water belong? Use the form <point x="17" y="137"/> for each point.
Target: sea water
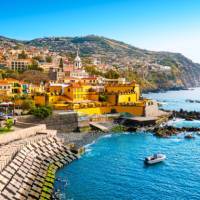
<point x="113" y="166"/>
<point x="176" y="100"/>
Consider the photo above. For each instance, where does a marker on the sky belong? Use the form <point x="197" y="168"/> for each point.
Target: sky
<point x="160" y="25"/>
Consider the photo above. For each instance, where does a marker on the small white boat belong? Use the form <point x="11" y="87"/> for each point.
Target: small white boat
<point x="189" y="136"/>
<point x="156" y="158"/>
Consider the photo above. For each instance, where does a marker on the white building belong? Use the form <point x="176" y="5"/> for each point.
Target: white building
<point x="77" y="61"/>
<point x="19" y="64"/>
<point x="78" y="71"/>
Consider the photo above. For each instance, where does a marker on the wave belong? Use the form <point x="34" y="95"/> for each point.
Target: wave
<point x="107" y="136"/>
<point x="90" y="144"/>
<point x="176" y="139"/>
<point x="173" y="122"/>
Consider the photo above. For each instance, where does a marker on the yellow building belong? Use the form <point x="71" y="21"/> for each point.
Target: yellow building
<point x="86" y="99"/>
<point x="123" y="88"/>
<point x="118" y="94"/>
<point x="78" y="92"/>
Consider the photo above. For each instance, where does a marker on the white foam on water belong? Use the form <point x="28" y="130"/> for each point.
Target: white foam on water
<point x="173" y="122"/>
<point x="88" y="150"/>
<point x="88" y="145"/>
<point x="126" y="133"/>
<point x="107" y="136"/>
<point x="176" y="139"/>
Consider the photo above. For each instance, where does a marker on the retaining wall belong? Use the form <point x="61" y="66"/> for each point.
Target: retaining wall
<point x="63" y="122"/>
<point x="21" y="134"/>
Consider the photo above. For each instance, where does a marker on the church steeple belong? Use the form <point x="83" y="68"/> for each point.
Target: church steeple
<point x="77" y="61"/>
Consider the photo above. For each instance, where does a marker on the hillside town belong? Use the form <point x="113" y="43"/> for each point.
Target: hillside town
<point x="67" y="86"/>
<point x="50" y="107"/>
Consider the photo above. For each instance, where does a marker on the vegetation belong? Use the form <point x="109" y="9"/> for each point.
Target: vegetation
<point x="38" y="58"/>
<point x="34" y="66"/>
<point x="113" y="110"/>
<point x="92" y="70"/>
<point x="119" y="55"/>
<point x="22" y="55"/>
<point x="103" y="97"/>
<point x="7" y="126"/>
<point x="41" y="112"/>
<point x="168" y="62"/>
<point x="61" y="63"/>
<point x="49" y="59"/>
<point x="33" y="76"/>
<point x="118" y="128"/>
<point x="111" y="74"/>
<point x="28" y="104"/>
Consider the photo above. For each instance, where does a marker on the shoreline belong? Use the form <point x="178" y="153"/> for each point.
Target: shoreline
<point x="81" y="139"/>
<point x="162" y="90"/>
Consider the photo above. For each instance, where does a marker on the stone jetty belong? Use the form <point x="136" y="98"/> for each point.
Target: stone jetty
<point x="28" y="163"/>
<point x="168" y="131"/>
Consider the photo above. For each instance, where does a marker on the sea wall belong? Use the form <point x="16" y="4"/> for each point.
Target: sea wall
<point x="21" y="134"/>
<point x="62" y="121"/>
<point x="31" y="173"/>
<point x="152" y="110"/>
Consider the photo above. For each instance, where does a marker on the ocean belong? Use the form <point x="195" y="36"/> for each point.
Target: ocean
<point x="113" y="166"/>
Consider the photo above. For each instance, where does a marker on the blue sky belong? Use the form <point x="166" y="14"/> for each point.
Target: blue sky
<point x="167" y="25"/>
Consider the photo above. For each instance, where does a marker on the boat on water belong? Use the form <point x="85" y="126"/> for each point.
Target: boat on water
<point x="189" y="136"/>
<point x="156" y="158"/>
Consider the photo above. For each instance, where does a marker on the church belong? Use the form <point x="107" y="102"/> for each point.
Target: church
<point x="78" y="71"/>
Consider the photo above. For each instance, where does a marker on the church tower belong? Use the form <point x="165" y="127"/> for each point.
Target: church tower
<point x="77" y="61"/>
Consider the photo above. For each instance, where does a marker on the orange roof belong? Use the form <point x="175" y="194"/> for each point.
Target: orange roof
<point x="76" y="85"/>
<point x="11" y="80"/>
<point x="4" y="83"/>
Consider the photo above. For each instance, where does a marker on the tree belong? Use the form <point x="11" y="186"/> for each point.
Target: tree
<point x="22" y="55"/>
<point x="41" y="112"/>
<point x="92" y="70"/>
<point x="111" y="74"/>
<point x="61" y="63"/>
<point x="38" y="58"/>
<point x="34" y="65"/>
<point x="28" y="104"/>
<point x="103" y="97"/>
<point x="49" y="59"/>
<point x="9" y="123"/>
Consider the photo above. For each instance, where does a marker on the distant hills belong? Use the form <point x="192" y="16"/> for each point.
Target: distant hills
<point x="150" y="68"/>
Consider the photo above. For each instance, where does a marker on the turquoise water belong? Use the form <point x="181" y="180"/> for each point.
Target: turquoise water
<point x="179" y="123"/>
<point x="175" y="100"/>
<point x="113" y="169"/>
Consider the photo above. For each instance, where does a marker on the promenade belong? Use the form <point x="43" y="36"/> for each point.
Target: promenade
<point x="28" y="162"/>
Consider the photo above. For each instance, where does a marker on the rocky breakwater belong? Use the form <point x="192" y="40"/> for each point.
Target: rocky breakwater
<point x="168" y="131"/>
<point x="30" y="174"/>
<point x="188" y="115"/>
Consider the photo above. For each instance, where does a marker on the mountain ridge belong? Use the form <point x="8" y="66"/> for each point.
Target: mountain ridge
<point x="147" y="65"/>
